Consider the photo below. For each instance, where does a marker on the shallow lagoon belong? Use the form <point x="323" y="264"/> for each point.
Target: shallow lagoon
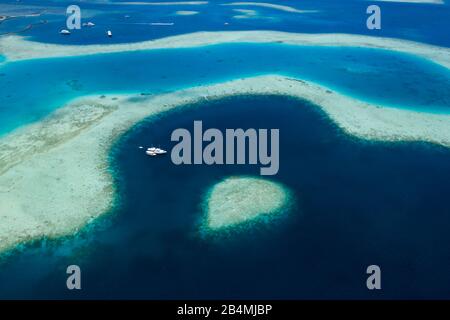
<point x="32" y="89"/>
<point x="418" y="22"/>
<point x="358" y="203"/>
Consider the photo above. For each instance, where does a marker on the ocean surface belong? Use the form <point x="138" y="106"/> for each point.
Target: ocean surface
<point x="379" y="76"/>
<point x="43" y="19"/>
<point x="357" y="202"/>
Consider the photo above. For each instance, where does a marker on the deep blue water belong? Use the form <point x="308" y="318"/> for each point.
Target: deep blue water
<point x="372" y="75"/>
<point x="358" y="203"/>
<point x="419" y="22"/>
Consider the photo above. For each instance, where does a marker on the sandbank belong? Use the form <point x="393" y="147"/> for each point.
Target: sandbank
<point x="186" y="13"/>
<point x="54" y="174"/>
<point x="414" y="1"/>
<point x="245" y="14"/>
<point x="269" y="5"/>
<point x="236" y="200"/>
<point x="16" y="48"/>
<point x="167" y="3"/>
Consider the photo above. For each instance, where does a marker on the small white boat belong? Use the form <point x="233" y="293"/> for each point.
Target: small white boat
<point x="155" y="151"/>
<point x="65" y="32"/>
<point x="160" y="151"/>
<point x="89" y="24"/>
<point x="109" y="33"/>
<point x="162" y="23"/>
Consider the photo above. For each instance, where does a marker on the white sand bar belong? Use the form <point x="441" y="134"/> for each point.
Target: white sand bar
<point x="164" y="3"/>
<point x="414" y="1"/>
<point x="186" y="13"/>
<point x="18" y="48"/>
<point x="54" y="175"/>
<point x="269" y="5"/>
<point x="236" y="200"/>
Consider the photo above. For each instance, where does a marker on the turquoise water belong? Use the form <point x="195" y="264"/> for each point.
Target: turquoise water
<point x="419" y="22"/>
<point x="358" y="204"/>
<point x="32" y="89"/>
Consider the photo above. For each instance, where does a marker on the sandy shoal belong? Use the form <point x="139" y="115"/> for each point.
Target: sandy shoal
<point x="54" y="174"/>
<point x="18" y="48"/>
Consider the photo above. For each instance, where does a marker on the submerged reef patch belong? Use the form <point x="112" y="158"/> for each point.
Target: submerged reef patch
<point x="54" y="174"/>
<point x="16" y="48"/>
<point x="237" y="200"/>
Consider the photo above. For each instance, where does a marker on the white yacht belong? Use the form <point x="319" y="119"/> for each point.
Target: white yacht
<point x="65" y="32"/>
<point x="160" y="151"/>
<point x="155" y="151"/>
<point x="109" y="33"/>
